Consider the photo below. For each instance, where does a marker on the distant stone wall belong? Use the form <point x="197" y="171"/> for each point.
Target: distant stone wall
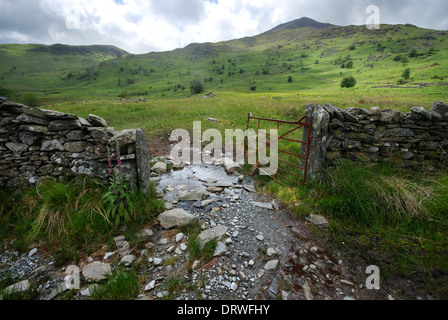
<point x="413" y="139"/>
<point x="38" y="143"/>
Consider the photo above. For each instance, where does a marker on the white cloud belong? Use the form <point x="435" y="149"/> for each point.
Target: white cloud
<point x="141" y="26"/>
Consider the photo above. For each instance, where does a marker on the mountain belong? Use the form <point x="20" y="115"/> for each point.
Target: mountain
<point x="35" y="67"/>
<point x="302" y="23"/>
<point x="299" y="56"/>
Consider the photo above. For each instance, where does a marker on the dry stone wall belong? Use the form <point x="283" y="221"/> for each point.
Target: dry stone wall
<point x="39" y="143"/>
<point x="413" y="139"/>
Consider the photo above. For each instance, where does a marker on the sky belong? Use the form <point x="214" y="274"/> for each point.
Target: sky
<point x="142" y="26"/>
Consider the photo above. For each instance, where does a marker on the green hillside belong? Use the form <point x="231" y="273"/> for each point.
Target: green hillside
<point x="306" y="60"/>
<point x="40" y="68"/>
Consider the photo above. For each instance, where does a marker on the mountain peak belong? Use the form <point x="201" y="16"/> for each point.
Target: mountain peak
<point x="302" y="23"/>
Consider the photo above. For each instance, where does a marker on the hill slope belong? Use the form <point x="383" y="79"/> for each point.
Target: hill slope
<point x="284" y="59"/>
<point x="33" y="67"/>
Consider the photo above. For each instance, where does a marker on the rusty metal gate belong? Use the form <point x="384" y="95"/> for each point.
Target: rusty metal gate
<point x="294" y="168"/>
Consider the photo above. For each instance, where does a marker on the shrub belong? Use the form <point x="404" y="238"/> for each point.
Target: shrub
<point x="30" y="99"/>
<point x="413" y="53"/>
<point x="124" y="95"/>
<point x="352" y="47"/>
<point x="406" y="74"/>
<point x="289" y="79"/>
<point x="5" y="92"/>
<point x="349" y="65"/>
<point x="196" y="87"/>
<point x="348" y="82"/>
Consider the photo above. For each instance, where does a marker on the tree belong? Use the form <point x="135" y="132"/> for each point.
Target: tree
<point x="252" y="87"/>
<point x="289" y="79"/>
<point x="406" y="74"/>
<point x="30" y="100"/>
<point x="413" y="53"/>
<point x="349" y="64"/>
<point x="196" y="87"/>
<point x="348" y="82"/>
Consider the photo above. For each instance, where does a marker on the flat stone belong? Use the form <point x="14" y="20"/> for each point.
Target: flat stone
<point x="271" y="265"/>
<point x="144" y="235"/>
<point x="108" y="255"/>
<point x="16" y="147"/>
<point x="318" y="220"/>
<point x="96" y="121"/>
<point x="207" y="202"/>
<point x="150" y="285"/>
<point x="214" y="189"/>
<point x="195" y="265"/>
<point x="169" y="206"/>
<point x="209" y="234"/>
<point x="76" y="147"/>
<point x="64" y="125"/>
<point x="125" y="137"/>
<point x="271" y="252"/>
<point x="159" y="167"/>
<point x="96" y="271"/>
<point x="26" y="118"/>
<point x="176" y="218"/>
<point x="249" y="188"/>
<point x="32" y="252"/>
<point x="263" y="205"/>
<point x="18" y="287"/>
<point x="75" y="135"/>
<point x="221" y="184"/>
<point x="307" y="291"/>
<point x="179" y="237"/>
<point x="34" y="128"/>
<point x="220" y="249"/>
<point x="57" y="115"/>
<point x="192" y="195"/>
<point x="230" y="165"/>
<point x="51" y="145"/>
<point x="441" y="109"/>
<point x="425" y="114"/>
<point x="128" y="260"/>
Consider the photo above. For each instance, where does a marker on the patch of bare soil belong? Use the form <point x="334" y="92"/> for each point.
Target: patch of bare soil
<point x="159" y="145"/>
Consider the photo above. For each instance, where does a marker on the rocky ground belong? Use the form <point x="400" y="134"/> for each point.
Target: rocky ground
<point x="263" y="252"/>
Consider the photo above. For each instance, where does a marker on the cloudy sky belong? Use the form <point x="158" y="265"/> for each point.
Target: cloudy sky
<point x="141" y="26"/>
